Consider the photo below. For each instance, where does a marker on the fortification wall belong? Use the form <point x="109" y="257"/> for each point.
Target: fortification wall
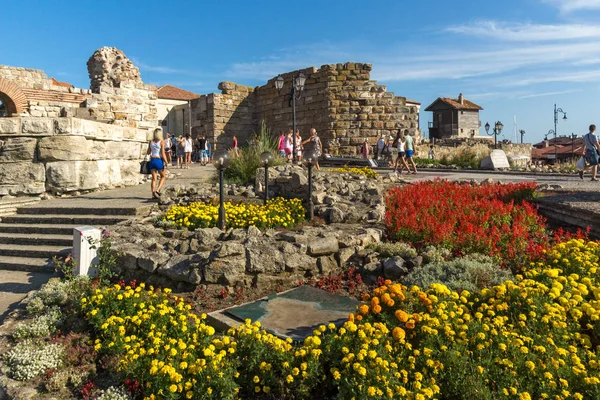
<point x="40" y="154"/>
<point x="339" y="100"/>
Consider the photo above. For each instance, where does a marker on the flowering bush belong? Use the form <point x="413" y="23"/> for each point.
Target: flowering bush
<point x="29" y="359"/>
<point x="366" y="171"/>
<point x="39" y="326"/>
<point x="490" y="219"/>
<point x="277" y="213"/>
<point x="532" y="337"/>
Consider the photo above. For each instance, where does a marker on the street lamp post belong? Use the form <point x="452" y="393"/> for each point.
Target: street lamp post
<point x="310" y="159"/>
<point x="550" y="133"/>
<point x="556" y="111"/>
<point x="522" y="132"/>
<point x="222" y="161"/>
<point x="297" y="88"/>
<point x="266" y="158"/>
<point x="498" y="126"/>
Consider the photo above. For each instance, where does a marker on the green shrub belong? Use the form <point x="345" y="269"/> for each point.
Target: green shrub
<point x="40" y="326"/>
<point x="394" y="249"/>
<point x="472" y="273"/>
<point x="435" y="254"/>
<point x="243" y="166"/>
<point x="29" y="359"/>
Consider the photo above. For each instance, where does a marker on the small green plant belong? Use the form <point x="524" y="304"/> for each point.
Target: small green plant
<point x="40" y="326"/>
<point x="244" y="165"/>
<point x="473" y="272"/>
<point x="65" y="266"/>
<point x="394" y="249"/>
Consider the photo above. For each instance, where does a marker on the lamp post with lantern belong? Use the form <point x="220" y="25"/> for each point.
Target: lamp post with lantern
<point x="310" y="159"/>
<point x="266" y="158"/>
<point x="498" y="126"/>
<point x="297" y="88"/>
<point x="522" y="132"/>
<point x="222" y="161"/>
<point x="564" y="113"/>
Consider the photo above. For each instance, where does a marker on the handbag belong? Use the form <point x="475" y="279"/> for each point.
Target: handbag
<point x="580" y="163"/>
<point x="145" y="166"/>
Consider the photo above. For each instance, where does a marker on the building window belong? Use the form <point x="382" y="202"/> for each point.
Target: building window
<point x="163" y="122"/>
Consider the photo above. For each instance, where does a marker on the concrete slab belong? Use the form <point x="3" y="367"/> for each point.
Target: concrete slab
<point x="14" y="287"/>
<point x="293" y="314"/>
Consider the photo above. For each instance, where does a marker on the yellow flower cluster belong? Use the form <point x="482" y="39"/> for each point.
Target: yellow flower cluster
<point x="536" y="337"/>
<point x="533" y="338"/>
<point x="366" y="171"/>
<point x="277" y="213"/>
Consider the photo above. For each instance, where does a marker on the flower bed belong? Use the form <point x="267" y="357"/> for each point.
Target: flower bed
<point x="534" y="337"/>
<point x="277" y="213"/>
<point x="490" y="219"/>
<point x="366" y="171"/>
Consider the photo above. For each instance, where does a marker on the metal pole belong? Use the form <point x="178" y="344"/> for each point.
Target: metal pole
<point x="190" y="117"/>
<point x="294" y="160"/>
<point x="311" y="206"/>
<point x="221" y="199"/>
<point x="555" y="122"/>
<point x="495" y="138"/>
<point x="266" y="183"/>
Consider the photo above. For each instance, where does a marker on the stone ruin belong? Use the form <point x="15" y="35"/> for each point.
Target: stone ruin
<point x="109" y="66"/>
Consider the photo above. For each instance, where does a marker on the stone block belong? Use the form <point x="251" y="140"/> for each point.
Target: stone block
<point x="37" y="126"/>
<point x="130" y="172"/>
<point x="122" y="150"/>
<point x="22" y="178"/>
<point x="17" y="149"/>
<point x="496" y="160"/>
<point x="109" y="172"/>
<point x="63" y="148"/>
<point x="323" y="246"/>
<point x="67" y="176"/>
<point x="9" y="126"/>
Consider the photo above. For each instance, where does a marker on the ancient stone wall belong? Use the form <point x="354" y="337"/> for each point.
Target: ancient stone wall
<point x="339" y="100"/>
<point x="67" y="154"/>
<point x="482" y="148"/>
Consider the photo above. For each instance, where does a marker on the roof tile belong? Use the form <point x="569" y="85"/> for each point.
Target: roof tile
<point x="174" y="93"/>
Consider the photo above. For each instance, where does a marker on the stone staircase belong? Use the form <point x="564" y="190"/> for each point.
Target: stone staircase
<point x="34" y="233"/>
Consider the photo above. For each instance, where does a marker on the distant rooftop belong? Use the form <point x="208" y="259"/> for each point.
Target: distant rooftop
<point x="458" y="104"/>
<point x="171" y="92"/>
<point x="59" y="83"/>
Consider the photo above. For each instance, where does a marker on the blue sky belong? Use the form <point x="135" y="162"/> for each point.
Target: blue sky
<point x="513" y="57"/>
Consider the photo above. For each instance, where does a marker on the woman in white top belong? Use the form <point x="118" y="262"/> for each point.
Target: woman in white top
<point x="317" y="145"/>
<point x="158" y="161"/>
<point x="187" y="149"/>
<point x="400" y="142"/>
<point x="299" y="146"/>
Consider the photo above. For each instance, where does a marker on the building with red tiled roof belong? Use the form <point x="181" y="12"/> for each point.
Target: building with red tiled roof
<point x="174" y="93"/>
<point x="173" y="109"/>
<point x="454" y="118"/>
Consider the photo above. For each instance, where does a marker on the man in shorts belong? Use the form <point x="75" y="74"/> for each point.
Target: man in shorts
<point x="203" y="146"/>
<point x="410" y="151"/>
<point x="590" y="152"/>
<point x="168" y="147"/>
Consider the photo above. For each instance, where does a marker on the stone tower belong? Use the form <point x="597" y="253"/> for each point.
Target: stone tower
<point x="109" y="66"/>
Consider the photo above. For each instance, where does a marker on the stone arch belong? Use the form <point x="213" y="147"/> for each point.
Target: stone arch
<point x="12" y="97"/>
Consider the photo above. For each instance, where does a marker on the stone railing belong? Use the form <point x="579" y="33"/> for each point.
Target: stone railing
<point x="67" y="154"/>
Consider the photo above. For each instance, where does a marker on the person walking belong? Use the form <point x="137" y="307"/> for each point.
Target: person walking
<point x="180" y="151"/>
<point x="209" y="147"/>
<point x="401" y="159"/>
<point x="234" y="146"/>
<point x="317" y="145"/>
<point x="299" y="147"/>
<point x="187" y="149"/>
<point x="202" y="145"/>
<point x="431" y="153"/>
<point x="158" y="162"/>
<point x="288" y="145"/>
<point x="281" y="145"/>
<point x="410" y="150"/>
<point x="380" y="146"/>
<point x="168" y="146"/>
<point x="365" y="150"/>
<point x="591" y="152"/>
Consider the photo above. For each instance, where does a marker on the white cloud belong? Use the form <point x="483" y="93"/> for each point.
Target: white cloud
<point x="575" y="5"/>
<point x="534" y="95"/>
<point x="526" y="32"/>
<point x="159" y="69"/>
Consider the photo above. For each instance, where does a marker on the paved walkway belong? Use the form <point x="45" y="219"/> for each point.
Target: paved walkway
<point x="14" y="285"/>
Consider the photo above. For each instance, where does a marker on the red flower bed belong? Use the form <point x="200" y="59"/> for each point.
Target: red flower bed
<point x="491" y="219"/>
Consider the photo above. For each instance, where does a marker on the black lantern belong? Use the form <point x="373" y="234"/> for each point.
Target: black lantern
<point x="498" y="126"/>
<point x="556" y="111"/>
<point x="222" y="161"/>
<point x="310" y="159"/>
<point x="522" y="132"/>
<point x="266" y="158"/>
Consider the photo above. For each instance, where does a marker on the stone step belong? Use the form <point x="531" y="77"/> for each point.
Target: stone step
<point x="37" y="229"/>
<point x="105" y="211"/>
<point x="79" y="220"/>
<point x="8" y="211"/>
<point x="36" y="239"/>
<point x="25" y="264"/>
<point x="44" y="252"/>
<point x="17" y="202"/>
